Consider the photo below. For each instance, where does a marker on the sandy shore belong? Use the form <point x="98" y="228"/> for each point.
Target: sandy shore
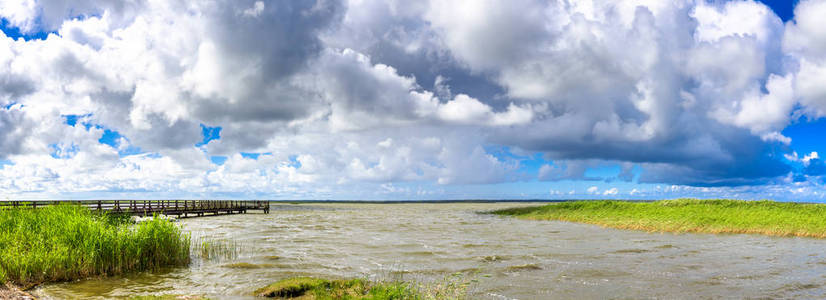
<point x="9" y="291"/>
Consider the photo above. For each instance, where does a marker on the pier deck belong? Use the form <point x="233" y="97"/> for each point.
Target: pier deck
<point x="180" y="208"/>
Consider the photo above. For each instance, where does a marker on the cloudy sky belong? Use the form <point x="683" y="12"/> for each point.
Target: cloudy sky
<point x="367" y="99"/>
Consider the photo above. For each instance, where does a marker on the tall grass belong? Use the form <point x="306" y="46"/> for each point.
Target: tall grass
<point x="67" y="242"/>
<point x="689" y="215"/>
<point x="205" y="249"/>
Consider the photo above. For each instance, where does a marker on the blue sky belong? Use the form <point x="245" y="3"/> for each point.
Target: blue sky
<point x="365" y="100"/>
<point x="783" y="8"/>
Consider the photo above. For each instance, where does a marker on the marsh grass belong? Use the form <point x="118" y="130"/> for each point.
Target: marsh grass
<point x="361" y="289"/>
<point x="393" y="285"/>
<point x="454" y="286"/>
<point x="67" y="242"/>
<point x="688" y="215"/>
<point x="212" y="249"/>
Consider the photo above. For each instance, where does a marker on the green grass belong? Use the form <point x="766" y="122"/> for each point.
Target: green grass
<point x="322" y="289"/>
<point x="688" y="215"/>
<point x="215" y="249"/>
<point x="67" y="242"/>
<point x="308" y="288"/>
<point x="168" y="297"/>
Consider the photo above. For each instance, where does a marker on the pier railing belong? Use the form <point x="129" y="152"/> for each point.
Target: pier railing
<point x="181" y="208"/>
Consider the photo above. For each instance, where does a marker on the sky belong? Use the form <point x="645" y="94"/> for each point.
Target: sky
<point x="413" y="100"/>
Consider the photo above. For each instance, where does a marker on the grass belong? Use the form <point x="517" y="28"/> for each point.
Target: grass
<point x="215" y="249"/>
<point x="322" y="289"/>
<point x="688" y="215"/>
<point x="309" y="288"/>
<point x="168" y="297"/>
<point x="68" y="242"/>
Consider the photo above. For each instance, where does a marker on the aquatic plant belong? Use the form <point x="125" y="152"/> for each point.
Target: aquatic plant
<point x="168" y="297"/>
<point x="67" y="242"/>
<point x="453" y="286"/>
<point x="212" y="249"/>
<point x="688" y="215"/>
<point x="316" y="288"/>
<point x="246" y="265"/>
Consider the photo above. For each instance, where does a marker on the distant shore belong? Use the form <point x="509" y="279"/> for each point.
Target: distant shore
<point x="688" y="215"/>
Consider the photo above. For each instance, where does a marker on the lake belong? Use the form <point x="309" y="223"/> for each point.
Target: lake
<point x="505" y="258"/>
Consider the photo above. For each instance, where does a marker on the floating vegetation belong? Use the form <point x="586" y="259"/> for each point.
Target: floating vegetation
<point x="454" y="286"/>
<point x="67" y="242"/>
<point x="688" y="215"/>
<point x="168" y="297"/>
<point x="492" y="258"/>
<point x="316" y="288"/>
<point x="525" y="267"/>
<point x="245" y="265"/>
<point x="631" y="251"/>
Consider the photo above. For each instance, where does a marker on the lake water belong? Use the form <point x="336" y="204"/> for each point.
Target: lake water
<point x="507" y="257"/>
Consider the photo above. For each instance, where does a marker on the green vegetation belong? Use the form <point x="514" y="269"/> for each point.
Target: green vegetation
<point x="215" y="249"/>
<point x="168" y="297"/>
<point x="67" y="242"/>
<point x="308" y="288"/>
<point x="244" y="265"/>
<point x="315" y="288"/>
<point x="688" y="215"/>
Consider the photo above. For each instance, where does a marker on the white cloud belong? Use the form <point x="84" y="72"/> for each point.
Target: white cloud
<point x="805" y="39"/>
<point x="610" y="192"/>
<point x="341" y="95"/>
<point x="256" y="10"/>
<point x="593" y="190"/>
<point x="466" y="110"/>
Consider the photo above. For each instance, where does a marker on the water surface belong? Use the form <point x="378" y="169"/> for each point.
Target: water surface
<point x="510" y="258"/>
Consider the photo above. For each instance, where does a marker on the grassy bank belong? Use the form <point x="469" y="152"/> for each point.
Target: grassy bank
<point x="67" y="242"/>
<point x="688" y="215"/>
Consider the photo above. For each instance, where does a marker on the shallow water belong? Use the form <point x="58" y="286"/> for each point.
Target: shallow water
<point x="510" y="258"/>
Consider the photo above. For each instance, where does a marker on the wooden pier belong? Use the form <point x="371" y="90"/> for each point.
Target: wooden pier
<point x="180" y="208"/>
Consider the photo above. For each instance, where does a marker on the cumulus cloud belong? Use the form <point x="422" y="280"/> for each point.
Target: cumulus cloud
<point x="805" y="39"/>
<point x="611" y="192"/>
<point x="328" y="95"/>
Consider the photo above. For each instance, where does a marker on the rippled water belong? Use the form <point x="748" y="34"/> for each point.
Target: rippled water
<point x="511" y="258"/>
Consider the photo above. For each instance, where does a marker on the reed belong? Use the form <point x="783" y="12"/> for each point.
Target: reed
<point x="67" y="242"/>
<point x="688" y="215"/>
<point x="211" y="249"/>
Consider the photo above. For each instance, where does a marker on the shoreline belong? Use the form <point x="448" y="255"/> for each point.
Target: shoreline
<point x="10" y="291"/>
<point x="722" y="216"/>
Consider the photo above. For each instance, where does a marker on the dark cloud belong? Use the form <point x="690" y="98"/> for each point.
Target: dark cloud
<point x="13" y="86"/>
<point x="14" y="129"/>
<point x="261" y="46"/>
<point x="165" y="134"/>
